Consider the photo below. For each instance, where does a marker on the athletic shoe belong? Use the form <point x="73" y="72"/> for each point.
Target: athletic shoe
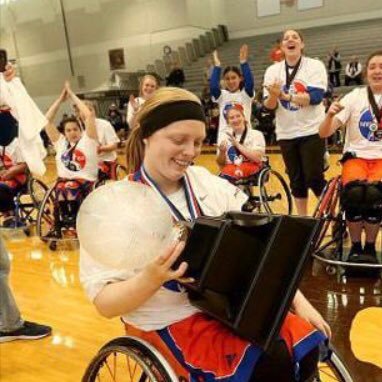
<point x="29" y="331"/>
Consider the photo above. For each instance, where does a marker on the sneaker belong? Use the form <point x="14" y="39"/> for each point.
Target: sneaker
<point x="29" y="331"/>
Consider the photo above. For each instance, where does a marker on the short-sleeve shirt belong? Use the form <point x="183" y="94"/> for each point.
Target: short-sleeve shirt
<point x="11" y="155"/>
<point x="293" y="121"/>
<point x="167" y="306"/>
<point x="363" y="135"/>
<point x="106" y="136"/>
<point x="225" y="101"/>
<point x="78" y="161"/>
<point x="254" y="140"/>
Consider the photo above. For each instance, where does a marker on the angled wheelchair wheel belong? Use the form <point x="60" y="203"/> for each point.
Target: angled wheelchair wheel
<point x="46" y="219"/>
<point x="327" y="209"/>
<point x="37" y="190"/>
<point x="129" y="359"/>
<point x="333" y="369"/>
<point x="274" y="193"/>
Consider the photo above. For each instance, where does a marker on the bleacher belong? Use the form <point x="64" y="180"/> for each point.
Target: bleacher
<point x="356" y="38"/>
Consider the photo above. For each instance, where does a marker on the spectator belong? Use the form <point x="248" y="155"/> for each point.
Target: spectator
<point x="176" y="76"/>
<point x="353" y="72"/>
<point x="334" y="67"/>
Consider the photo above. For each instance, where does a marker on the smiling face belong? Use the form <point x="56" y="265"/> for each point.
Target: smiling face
<point x="72" y="132"/>
<point x="374" y="73"/>
<point x="292" y="44"/>
<point x="148" y="87"/>
<point x="170" y="150"/>
<point x="232" y="81"/>
<point x="236" y="120"/>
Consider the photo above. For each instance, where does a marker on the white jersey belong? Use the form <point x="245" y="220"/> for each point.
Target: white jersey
<point x="254" y="140"/>
<point x="167" y="306"/>
<point x="11" y="155"/>
<point x="106" y="136"/>
<point x="78" y="161"/>
<point x="363" y="136"/>
<point x="131" y="112"/>
<point x="224" y="101"/>
<point x="293" y="121"/>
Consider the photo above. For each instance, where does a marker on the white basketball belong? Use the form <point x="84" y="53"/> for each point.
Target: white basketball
<point x="124" y="225"/>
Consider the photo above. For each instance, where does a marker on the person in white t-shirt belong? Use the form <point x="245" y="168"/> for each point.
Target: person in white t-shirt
<point x="239" y="88"/>
<point x="295" y="88"/>
<point x="76" y="154"/>
<point x="108" y="144"/>
<point x="360" y="112"/>
<point x="161" y="149"/>
<point x="241" y="154"/>
<point x="147" y="86"/>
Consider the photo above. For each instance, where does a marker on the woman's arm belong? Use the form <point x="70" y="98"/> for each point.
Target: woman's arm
<point x="330" y="124"/>
<point x="51" y="128"/>
<point x="222" y="154"/>
<point x="249" y="83"/>
<point x="305" y="310"/>
<point x="123" y="297"/>
<point x="17" y="169"/>
<point x="87" y="115"/>
<point x="215" y="76"/>
<point x="274" y="90"/>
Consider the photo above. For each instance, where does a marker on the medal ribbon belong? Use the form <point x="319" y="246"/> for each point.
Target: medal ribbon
<point x="290" y="77"/>
<point x="376" y="109"/>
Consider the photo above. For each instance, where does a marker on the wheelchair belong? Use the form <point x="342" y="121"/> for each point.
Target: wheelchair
<point x="27" y="202"/>
<point x="131" y="359"/>
<point x="268" y="192"/>
<point x="110" y="171"/>
<point x="54" y="223"/>
<point x="331" y="252"/>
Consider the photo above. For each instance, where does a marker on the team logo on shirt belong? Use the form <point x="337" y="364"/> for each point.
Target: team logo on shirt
<point x="295" y="88"/>
<point x="73" y="160"/>
<point x="369" y="128"/>
<point x="234" y="156"/>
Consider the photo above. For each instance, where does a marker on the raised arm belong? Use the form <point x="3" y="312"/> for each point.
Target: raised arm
<point x="330" y="124"/>
<point x="249" y="83"/>
<point x="215" y="76"/>
<point x="51" y="128"/>
<point x="88" y="117"/>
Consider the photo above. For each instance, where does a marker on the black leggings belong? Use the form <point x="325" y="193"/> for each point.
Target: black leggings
<point x="276" y="365"/>
<point x="304" y="161"/>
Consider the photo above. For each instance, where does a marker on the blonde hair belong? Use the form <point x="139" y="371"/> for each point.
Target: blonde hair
<point x="134" y="144"/>
<point x="145" y="77"/>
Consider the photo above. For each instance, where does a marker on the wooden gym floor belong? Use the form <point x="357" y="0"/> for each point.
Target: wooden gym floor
<point x="47" y="289"/>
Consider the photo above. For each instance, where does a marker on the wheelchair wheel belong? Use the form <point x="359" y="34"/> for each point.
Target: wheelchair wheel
<point x="274" y="193"/>
<point x="46" y="224"/>
<point x="333" y="369"/>
<point x="128" y="359"/>
<point x="326" y="209"/>
<point x="37" y="190"/>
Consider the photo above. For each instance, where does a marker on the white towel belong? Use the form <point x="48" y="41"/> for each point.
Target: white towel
<point x="31" y="122"/>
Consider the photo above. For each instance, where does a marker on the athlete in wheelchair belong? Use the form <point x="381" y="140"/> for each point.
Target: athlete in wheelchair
<point x="76" y="161"/>
<point x="242" y="162"/>
<point x="173" y="341"/>
<point x="361" y="189"/>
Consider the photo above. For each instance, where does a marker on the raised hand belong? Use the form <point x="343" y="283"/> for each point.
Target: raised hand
<point x="243" y="56"/>
<point x="215" y="58"/>
<point x="335" y="108"/>
<point x="10" y="73"/>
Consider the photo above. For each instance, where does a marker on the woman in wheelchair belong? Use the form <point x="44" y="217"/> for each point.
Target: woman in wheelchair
<point x="241" y="155"/>
<point x="166" y="139"/>
<point x="76" y="157"/>
<point x="13" y="178"/>
<point x="360" y="112"/>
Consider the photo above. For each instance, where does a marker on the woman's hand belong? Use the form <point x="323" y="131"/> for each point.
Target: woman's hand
<point x="215" y="58"/>
<point x="232" y="139"/>
<point x="159" y="270"/>
<point x="334" y="108"/>
<point x="10" y="73"/>
<point x="134" y="103"/>
<point x="243" y="55"/>
<point x="223" y="146"/>
<point x="305" y="310"/>
<point x="274" y="89"/>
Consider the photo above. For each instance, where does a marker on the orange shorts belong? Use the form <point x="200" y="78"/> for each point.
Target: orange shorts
<point x="244" y="170"/>
<point x="369" y="170"/>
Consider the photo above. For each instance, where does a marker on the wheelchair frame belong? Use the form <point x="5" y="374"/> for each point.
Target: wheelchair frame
<point x="155" y="368"/>
<point x="23" y="211"/>
<point x="263" y="202"/>
<point x="328" y="208"/>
